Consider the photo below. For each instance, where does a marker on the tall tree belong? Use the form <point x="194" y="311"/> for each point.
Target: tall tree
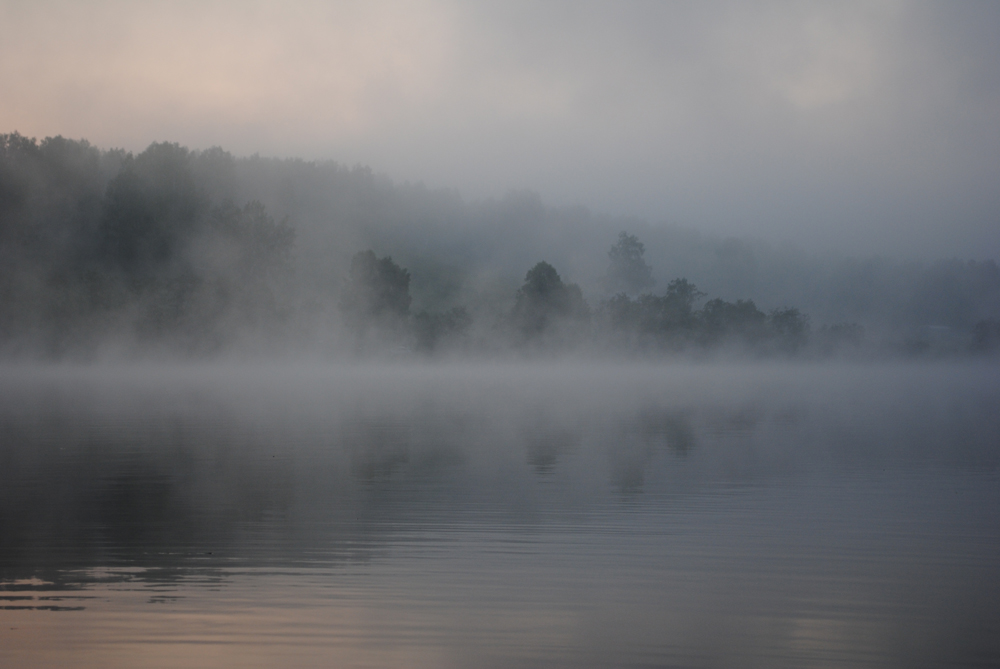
<point x="379" y="289"/>
<point x="545" y="299"/>
<point x="628" y="272"/>
<point x="151" y="210"/>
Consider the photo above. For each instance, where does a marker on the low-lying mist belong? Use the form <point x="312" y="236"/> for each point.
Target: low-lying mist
<point x="166" y="464"/>
<point x="176" y="253"/>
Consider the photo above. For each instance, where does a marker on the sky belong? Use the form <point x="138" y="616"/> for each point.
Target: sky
<point x="858" y="127"/>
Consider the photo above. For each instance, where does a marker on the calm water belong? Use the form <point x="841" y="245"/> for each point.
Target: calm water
<point x="497" y="516"/>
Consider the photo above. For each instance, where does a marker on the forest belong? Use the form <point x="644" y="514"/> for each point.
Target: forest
<point x="178" y="252"/>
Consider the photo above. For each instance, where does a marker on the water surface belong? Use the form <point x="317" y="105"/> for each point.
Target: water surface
<point x="500" y="515"/>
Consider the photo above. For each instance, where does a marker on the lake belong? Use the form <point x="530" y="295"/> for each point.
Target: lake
<point x="527" y="514"/>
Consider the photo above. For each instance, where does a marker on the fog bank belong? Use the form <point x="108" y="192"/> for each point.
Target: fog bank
<point x="171" y="251"/>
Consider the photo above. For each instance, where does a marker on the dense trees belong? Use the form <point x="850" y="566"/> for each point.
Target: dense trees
<point x="671" y="319"/>
<point x="100" y="245"/>
<point x="672" y="312"/>
<point x="544" y="303"/>
<point x="152" y="207"/>
<point x="376" y="304"/>
<point x="378" y="289"/>
<point x="789" y="327"/>
<point x="196" y="251"/>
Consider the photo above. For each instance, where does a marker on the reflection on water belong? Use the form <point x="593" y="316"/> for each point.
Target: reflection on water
<point x="490" y="516"/>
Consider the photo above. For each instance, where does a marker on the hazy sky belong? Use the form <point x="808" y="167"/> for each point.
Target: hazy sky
<point x="870" y="127"/>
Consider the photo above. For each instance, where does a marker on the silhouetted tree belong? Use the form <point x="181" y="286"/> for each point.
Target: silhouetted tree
<point x="728" y="320"/>
<point x="379" y="289"/>
<point x="662" y="317"/>
<point x="673" y="311"/>
<point x="628" y="271"/>
<point x="152" y="208"/>
<point x="620" y="312"/>
<point x="790" y="328"/>
<point x="262" y="246"/>
<point x="544" y="299"/>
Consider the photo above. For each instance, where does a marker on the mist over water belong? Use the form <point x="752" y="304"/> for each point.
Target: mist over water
<point x="482" y="514"/>
<point x="669" y="335"/>
<point x="260" y="412"/>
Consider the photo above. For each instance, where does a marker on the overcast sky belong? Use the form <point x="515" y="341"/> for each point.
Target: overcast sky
<point x="868" y="127"/>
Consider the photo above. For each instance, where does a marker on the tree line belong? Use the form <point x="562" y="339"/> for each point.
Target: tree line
<point x="549" y="313"/>
<point x="181" y="251"/>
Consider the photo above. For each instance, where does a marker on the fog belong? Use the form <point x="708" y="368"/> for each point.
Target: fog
<point x="162" y="463"/>
<point x="499" y="334"/>
<point x="556" y="513"/>
<point x="853" y="127"/>
<point x="173" y="252"/>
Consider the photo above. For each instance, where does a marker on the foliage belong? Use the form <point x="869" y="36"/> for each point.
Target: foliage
<point x="544" y="301"/>
<point x="671" y="314"/>
<point x="93" y="239"/>
<point x="151" y="210"/>
<point x="671" y="320"/>
<point x="789" y="327"/>
<point x="260" y="247"/>
<point x="180" y="246"/>
<point x="378" y="289"/>
<point x="628" y="272"/>
<point x="721" y="319"/>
